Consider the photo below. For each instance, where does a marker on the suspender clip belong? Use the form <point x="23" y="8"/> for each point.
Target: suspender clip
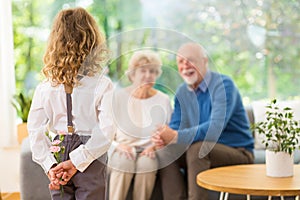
<point x="70" y="130"/>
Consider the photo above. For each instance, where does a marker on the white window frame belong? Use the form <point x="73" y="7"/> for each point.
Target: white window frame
<point x="7" y="77"/>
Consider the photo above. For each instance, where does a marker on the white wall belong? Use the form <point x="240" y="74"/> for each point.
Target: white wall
<point x="7" y="76"/>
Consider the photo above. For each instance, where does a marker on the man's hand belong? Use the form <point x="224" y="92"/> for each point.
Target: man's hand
<point x="64" y="171"/>
<point x="149" y="152"/>
<point x="164" y="135"/>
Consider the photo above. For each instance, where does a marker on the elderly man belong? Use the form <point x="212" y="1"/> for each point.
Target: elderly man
<point x="209" y="118"/>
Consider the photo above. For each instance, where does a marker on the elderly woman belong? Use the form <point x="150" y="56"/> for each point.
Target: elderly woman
<point x="137" y="110"/>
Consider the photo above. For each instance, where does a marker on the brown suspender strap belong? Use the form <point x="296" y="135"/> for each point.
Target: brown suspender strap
<point x="68" y="90"/>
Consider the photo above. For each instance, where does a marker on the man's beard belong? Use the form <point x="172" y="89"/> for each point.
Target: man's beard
<point x="191" y="80"/>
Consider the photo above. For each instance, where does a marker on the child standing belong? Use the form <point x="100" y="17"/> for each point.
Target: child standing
<point x="73" y="64"/>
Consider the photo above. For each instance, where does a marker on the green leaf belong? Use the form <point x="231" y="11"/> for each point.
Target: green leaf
<point x="22" y="105"/>
<point x="280" y="129"/>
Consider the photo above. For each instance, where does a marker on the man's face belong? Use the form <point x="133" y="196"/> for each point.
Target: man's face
<point x="188" y="71"/>
<point x="191" y="67"/>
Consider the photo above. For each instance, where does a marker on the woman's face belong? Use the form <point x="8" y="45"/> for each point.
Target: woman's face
<point x="145" y="76"/>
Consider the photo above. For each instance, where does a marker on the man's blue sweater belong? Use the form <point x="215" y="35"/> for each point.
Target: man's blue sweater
<point x="213" y="112"/>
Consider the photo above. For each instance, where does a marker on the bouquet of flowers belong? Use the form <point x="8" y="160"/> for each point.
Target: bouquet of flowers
<point x="58" y="150"/>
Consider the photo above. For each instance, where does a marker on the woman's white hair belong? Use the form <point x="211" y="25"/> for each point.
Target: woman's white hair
<point x="144" y="58"/>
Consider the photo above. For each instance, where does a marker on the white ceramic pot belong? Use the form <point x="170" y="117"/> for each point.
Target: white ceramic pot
<point x="279" y="164"/>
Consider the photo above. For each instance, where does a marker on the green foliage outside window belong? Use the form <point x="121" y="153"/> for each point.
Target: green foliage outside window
<point x="254" y="42"/>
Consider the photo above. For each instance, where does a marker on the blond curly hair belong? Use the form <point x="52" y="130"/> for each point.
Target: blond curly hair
<point x="75" y="47"/>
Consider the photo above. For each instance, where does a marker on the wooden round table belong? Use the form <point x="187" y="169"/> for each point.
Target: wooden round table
<point x="249" y="180"/>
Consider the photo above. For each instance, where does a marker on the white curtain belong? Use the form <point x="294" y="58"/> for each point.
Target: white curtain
<point x="7" y="77"/>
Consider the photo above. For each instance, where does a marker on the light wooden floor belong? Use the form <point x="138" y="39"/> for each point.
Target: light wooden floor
<point x="11" y="196"/>
<point x="9" y="173"/>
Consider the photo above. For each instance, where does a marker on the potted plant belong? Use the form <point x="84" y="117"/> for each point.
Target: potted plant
<point x="22" y="103"/>
<point x="281" y="137"/>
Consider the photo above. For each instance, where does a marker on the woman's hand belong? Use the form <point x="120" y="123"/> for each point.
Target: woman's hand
<point x="127" y="150"/>
<point x="157" y="141"/>
<point x="164" y="135"/>
<point x="149" y="152"/>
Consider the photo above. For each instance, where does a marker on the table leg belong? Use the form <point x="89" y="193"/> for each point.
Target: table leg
<point x="269" y="197"/>
<point x="226" y="196"/>
<point x="282" y="197"/>
<point x="248" y="197"/>
<point x="221" y="195"/>
<point x="297" y="198"/>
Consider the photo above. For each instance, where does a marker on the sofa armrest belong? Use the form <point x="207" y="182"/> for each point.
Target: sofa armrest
<point x="33" y="181"/>
<point x="250" y="114"/>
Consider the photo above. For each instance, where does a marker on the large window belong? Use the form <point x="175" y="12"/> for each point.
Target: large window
<point x="253" y="41"/>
